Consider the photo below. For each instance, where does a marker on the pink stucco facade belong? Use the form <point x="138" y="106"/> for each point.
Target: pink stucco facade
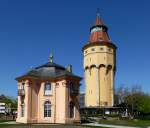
<point x="31" y="95"/>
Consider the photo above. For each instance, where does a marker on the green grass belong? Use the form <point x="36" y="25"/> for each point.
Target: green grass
<point x="140" y="123"/>
<point x="44" y="126"/>
<point x="1" y="121"/>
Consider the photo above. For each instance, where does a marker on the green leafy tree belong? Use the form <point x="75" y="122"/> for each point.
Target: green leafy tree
<point x="143" y="105"/>
<point x="138" y="103"/>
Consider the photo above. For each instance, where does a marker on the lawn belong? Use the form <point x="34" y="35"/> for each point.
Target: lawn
<point x="44" y="126"/>
<point x="1" y="121"/>
<point x="138" y="123"/>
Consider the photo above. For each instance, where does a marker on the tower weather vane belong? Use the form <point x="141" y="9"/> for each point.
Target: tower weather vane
<point x="98" y="12"/>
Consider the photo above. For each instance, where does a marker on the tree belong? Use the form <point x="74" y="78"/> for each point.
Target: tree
<point x="134" y="99"/>
<point x="144" y="104"/>
<point x="120" y="95"/>
<point x="138" y="103"/>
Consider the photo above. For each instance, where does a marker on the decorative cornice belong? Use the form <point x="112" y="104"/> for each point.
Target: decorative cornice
<point x="99" y="43"/>
<point x="64" y="77"/>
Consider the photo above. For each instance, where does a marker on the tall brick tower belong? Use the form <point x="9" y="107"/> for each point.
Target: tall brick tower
<point x="99" y="66"/>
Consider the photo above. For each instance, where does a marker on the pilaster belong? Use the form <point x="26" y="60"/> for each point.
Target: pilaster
<point x="28" y="101"/>
<point x="112" y="86"/>
<point x="97" y="87"/>
<point x="19" y="104"/>
<point x="19" y="107"/>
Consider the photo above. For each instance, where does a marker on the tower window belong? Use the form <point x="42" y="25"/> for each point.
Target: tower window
<point x="109" y="49"/>
<point x="47" y="109"/>
<point x="105" y="103"/>
<point x="101" y="49"/>
<point x="93" y="49"/>
<point x="47" y="89"/>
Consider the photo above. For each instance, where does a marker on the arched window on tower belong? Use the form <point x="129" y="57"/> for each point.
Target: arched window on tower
<point x="72" y="110"/>
<point x="47" y="109"/>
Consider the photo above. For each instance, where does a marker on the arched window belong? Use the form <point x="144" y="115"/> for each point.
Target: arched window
<point x="72" y="110"/>
<point x="47" y="109"/>
<point x="47" y="89"/>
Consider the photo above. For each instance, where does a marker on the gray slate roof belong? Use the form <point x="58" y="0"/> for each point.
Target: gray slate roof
<point x="49" y="69"/>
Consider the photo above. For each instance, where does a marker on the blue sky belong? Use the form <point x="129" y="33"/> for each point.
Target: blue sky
<point x="30" y="29"/>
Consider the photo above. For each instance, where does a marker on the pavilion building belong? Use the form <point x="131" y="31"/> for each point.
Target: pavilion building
<point x="48" y="94"/>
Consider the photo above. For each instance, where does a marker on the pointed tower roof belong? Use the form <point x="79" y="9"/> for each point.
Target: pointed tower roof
<point x="98" y="31"/>
<point x="99" y="35"/>
<point x="98" y="20"/>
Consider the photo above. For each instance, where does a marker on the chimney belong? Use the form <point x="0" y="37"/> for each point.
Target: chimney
<point x="69" y="68"/>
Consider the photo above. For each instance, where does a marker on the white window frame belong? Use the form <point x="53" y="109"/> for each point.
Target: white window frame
<point x="47" y="109"/>
<point x="48" y="92"/>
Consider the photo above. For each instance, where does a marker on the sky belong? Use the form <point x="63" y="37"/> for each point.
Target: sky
<point x="31" y="29"/>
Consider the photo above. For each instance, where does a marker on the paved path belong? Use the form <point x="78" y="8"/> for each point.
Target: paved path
<point x="109" y="126"/>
